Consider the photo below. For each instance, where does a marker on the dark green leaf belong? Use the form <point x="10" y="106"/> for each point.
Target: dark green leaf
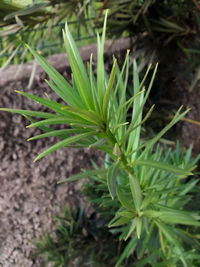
<point x="125" y="199"/>
<point x="136" y="191"/>
<point x="112" y="178"/>
<point x="127" y="251"/>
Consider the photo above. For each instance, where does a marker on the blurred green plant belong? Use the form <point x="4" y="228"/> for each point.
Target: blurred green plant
<point x="146" y="185"/>
<point x="78" y="240"/>
<point x="166" y="31"/>
<point x="28" y="14"/>
<point x="39" y="23"/>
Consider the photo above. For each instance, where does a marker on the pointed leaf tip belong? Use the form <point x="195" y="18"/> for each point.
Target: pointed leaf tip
<point x="36" y="159"/>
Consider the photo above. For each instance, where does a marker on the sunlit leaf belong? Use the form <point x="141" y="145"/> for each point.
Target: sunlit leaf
<point x="63" y="143"/>
<point x="78" y="69"/>
<point x="57" y="133"/>
<point x="51" y="121"/>
<point x="64" y="89"/>
<point x="45" y="102"/>
<point x="38" y="114"/>
<point x="109" y="89"/>
<point x="100" y="65"/>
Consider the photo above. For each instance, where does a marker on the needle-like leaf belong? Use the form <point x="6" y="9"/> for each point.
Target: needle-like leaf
<point x="52" y="121"/>
<point x="64" y="143"/>
<point x="112" y="178"/>
<point x="78" y="69"/>
<point x="64" y="89"/>
<point x="45" y="102"/>
<point x="38" y="114"/>
<point x="163" y="166"/>
<point x="136" y="191"/>
<point x="108" y="92"/>
<point x="85" y="174"/>
<point x="125" y="200"/>
<point x="100" y="65"/>
<point x="175" y="119"/>
<point x="57" y="133"/>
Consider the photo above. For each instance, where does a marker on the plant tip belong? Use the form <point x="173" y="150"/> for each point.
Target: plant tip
<point x="36" y="159"/>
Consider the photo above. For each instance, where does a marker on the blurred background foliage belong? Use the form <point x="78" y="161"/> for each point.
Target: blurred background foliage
<point x="78" y="240"/>
<point x="40" y="24"/>
<point x="167" y="31"/>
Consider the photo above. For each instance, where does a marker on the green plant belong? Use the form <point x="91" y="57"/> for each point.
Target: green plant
<point x="41" y="22"/>
<point x="166" y="31"/>
<point x="78" y="240"/>
<point x="81" y="240"/>
<point x="146" y="185"/>
<point x="178" y="193"/>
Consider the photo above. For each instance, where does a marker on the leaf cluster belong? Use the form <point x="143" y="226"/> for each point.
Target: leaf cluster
<point x="29" y="15"/>
<point x="38" y="23"/>
<point x="166" y="230"/>
<point x="166" y="31"/>
<point x="78" y="240"/>
<point x="169" y="18"/>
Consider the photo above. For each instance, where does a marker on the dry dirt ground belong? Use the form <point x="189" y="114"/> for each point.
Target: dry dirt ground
<point x="29" y="194"/>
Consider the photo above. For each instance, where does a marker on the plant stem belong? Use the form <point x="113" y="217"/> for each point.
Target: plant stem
<point x="122" y="157"/>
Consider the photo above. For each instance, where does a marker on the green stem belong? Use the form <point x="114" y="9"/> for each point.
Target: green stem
<point x="122" y="157"/>
<point x="134" y="184"/>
